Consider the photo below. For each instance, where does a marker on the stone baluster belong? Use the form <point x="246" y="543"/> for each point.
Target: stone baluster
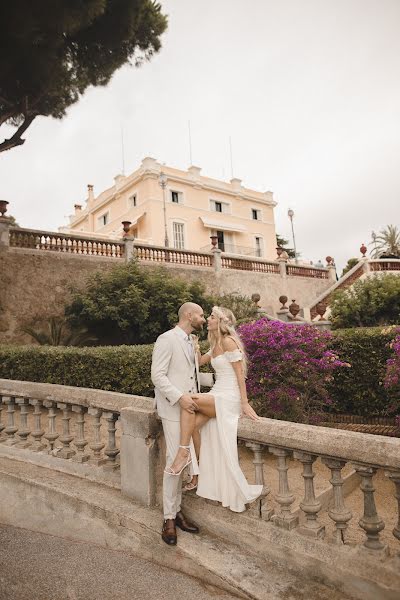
<point x="97" y="445"/>
<point x="260" y="508"/>
<point x="370" y="521"/>
<point x="51" y="434"/>
<point x="395" y="477"/>
<point x="11" y="428"/>
<point x="80" y="441"/>
<point x="111" y="450"/>
<point x="23" y="431"/>
<point x="2" y="438"/>
<point x="339" y="514"/>
<point x="66" y="438"/>
<point x="285" y="518"/>
<point x="309" y="505"/>
<point x="38" y="432"/>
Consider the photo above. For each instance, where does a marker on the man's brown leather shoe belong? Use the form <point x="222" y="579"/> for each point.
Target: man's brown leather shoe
<point x="185" y="525"/>
<point x="168" y="533"/>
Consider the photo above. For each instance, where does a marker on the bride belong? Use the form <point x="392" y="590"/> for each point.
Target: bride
<point x="213" y="426"/>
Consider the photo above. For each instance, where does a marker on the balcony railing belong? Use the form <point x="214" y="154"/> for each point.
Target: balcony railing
<point x="65" y="243"/>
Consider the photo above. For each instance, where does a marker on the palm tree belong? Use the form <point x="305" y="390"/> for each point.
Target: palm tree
<point x="57" y="334"/>
<point x="386" y="242"/>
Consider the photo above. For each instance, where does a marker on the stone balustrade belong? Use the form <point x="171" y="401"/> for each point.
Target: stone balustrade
<point x="335" y="448"/>
<point x="74" y="424"/>
<point x="115" y="440"/>
<point x="65" y="243"/>
<point x="36" y="418"/>
<point x="126" y="248"/>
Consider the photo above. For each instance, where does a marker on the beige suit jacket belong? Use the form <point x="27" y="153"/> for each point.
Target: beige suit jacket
<point x="172" y="373"/>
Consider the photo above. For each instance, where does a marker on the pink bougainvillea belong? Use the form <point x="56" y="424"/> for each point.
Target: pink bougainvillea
<point x="289" y="368"/>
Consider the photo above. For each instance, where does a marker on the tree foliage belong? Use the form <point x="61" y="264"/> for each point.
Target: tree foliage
<point x="350" y="264"/>
<point x="282" y="243"/>
<point x="386" y="243"/>
<point x="133" y="304"/>
<point x="374" y="301"/>
<point x="51" y="51"/>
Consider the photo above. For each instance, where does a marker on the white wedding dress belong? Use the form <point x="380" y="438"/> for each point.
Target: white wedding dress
<point x="221" y="477"/>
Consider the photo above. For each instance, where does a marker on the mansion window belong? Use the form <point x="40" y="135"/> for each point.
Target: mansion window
<point x="176" y="197"/>
<point x="178" y="230"/>
<point x="103" y="220"/>
<point x="256" y="214"/>
<point x="218" y="206"/>
<point x="132" y="201"/>
<point x="259" y="247"/>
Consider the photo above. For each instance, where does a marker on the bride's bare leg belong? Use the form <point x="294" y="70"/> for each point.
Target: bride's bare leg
<point x="206" y="407"/>
<point x="196" y="437"/>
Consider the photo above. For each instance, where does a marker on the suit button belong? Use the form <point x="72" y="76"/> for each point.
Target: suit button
<point x="191" y="378"/>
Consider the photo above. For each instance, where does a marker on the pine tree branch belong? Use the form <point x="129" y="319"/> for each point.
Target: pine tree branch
<point x="16" y="140"/>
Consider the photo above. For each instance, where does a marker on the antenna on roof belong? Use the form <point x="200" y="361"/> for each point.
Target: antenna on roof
<point x="230" y="152"/>
<point x="190" y="145"/>
<point x="122" y="151"/>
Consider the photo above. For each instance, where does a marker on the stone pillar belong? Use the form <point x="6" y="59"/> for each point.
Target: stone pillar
<point x="370" y="521"/>
<point x="217" y="259"/>
<point x="332" y="273"/>
<point x="129" y="248"/>
<point x="139" y="454"/>
<point x="4" y="234"/>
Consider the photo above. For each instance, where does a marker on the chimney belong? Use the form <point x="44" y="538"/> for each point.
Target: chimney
<point x="90" y="193"/>
<point x="236" y="184"/>
<point x="78" y="208"/>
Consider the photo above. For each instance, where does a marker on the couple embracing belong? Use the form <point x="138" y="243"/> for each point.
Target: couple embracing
<point x="201" y="429"/>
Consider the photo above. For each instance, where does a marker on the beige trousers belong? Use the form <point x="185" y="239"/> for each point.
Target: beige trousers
<point x="172" y="484"/>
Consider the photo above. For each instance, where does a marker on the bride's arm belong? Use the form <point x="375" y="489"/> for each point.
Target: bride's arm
<point x="203" y="359"/>
<point x="228" y="345"/>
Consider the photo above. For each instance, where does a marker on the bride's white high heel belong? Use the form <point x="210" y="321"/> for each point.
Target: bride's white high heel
<point x="170" y="471"/>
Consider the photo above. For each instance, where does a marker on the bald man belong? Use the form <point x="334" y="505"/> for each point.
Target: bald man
<point x="175" y="375"/>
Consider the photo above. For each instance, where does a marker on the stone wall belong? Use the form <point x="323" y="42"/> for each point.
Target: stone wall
<point x="35" y="285"/>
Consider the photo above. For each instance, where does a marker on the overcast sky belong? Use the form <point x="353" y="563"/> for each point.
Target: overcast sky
<point x="308" y="90"/>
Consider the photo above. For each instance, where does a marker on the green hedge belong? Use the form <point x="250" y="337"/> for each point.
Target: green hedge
<point x="359" y="390"/>
<point x="123" y="369"/>
<point x="356" y="390"/>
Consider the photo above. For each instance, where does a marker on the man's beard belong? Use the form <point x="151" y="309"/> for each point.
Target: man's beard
<point x="198" y="326"/>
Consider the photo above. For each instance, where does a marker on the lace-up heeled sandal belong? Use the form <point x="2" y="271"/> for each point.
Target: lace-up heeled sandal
<point x="170" y="471"/>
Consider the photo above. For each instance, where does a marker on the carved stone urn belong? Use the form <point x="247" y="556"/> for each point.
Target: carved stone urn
<point x="283" y="300"/>
<point x="294" y="309"/>
<point x="3" y="207"/>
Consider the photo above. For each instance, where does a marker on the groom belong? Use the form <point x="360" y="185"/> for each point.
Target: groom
<point x="175" y="375"/>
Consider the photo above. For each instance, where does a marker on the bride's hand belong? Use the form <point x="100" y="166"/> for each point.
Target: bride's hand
<point x="248" y="411"/>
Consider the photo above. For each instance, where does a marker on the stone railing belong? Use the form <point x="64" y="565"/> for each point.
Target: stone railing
<point x="126" y="248"/>
<point x="299" y="271"/>
<point x="37" y="417"/>
<point x="307" y="529"/>
<point x="244" y="264"/>
<point x="66" y="243"/>
<point x="335" y="448"/>
<point x="160" y="254"/>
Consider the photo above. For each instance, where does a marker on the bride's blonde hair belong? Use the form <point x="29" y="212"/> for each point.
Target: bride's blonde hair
<point x="226" y="328"/>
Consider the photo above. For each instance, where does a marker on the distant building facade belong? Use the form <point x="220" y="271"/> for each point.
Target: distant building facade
<point x="186" y="209"/>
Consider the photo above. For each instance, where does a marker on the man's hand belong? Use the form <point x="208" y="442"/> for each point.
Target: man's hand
<point x="187" y="403"/>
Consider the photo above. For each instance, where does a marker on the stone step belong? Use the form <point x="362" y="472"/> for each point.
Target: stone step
<point x="46" y="501"/>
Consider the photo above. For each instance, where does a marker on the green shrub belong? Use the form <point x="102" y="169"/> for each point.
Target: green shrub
<point x="123" y="369"/>
<point x="360" y="390"/>
<point x="370" y="302"/>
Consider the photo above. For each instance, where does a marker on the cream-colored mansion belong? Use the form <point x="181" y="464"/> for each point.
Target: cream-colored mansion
<point x="182" y="209"/>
